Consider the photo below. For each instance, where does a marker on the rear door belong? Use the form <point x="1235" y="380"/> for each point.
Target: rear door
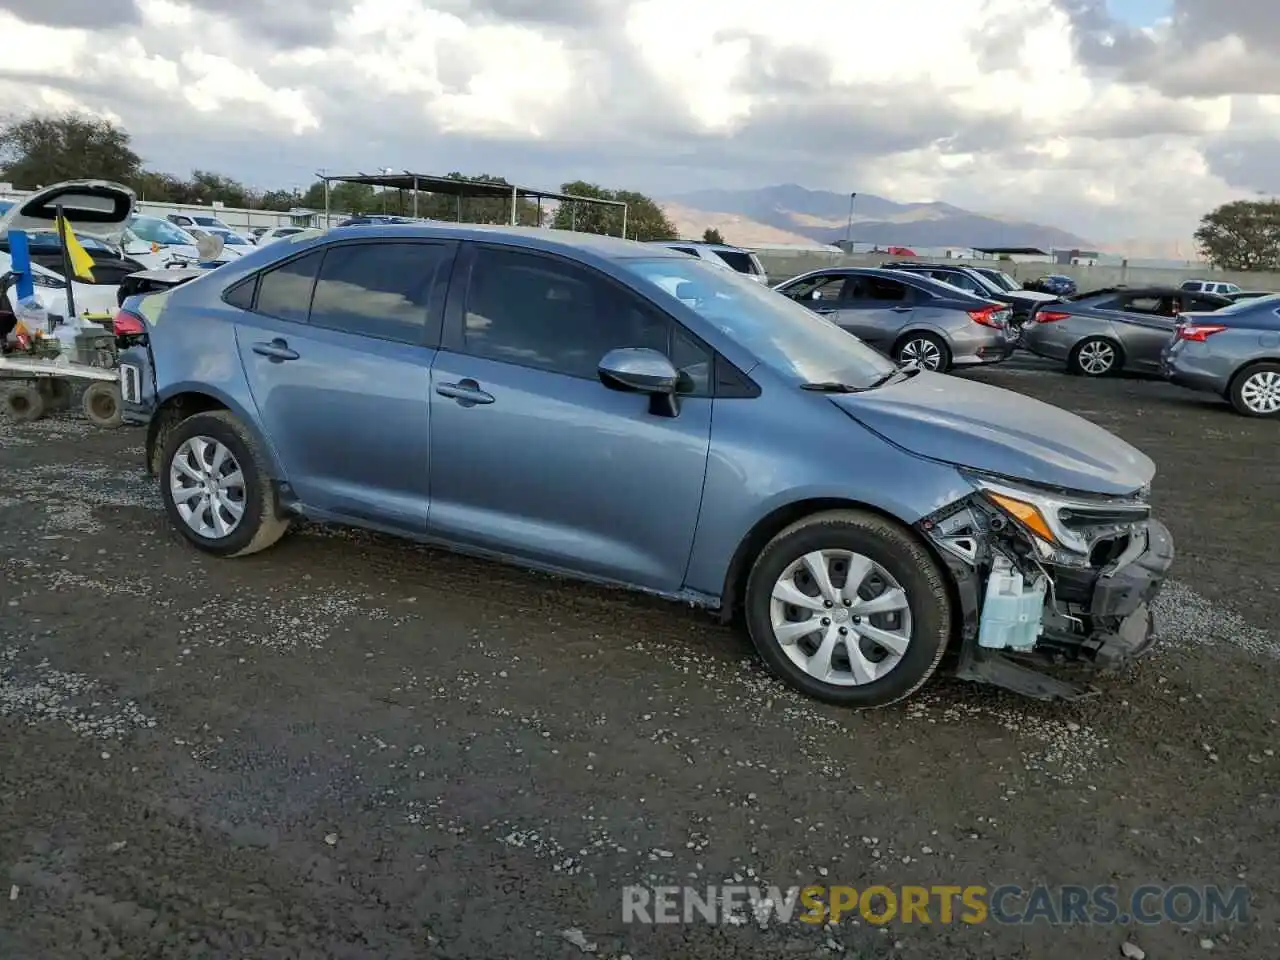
<point x="876" y="309"/>
<point x="1145" y="323"/>
<point x="337" y="345"/>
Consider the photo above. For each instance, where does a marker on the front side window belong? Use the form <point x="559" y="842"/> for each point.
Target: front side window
<point x="377" y="290"/>
<point x="285" y="292"/>
<point x="540" y="312"/>
<point x="827" y="287"/>
<point x="739" y="260"/>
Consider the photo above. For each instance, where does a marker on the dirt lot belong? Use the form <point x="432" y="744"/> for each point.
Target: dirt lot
<point x="351" y="747"/>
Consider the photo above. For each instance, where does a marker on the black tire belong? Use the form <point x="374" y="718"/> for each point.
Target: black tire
<point x="944" y="352"/>
<point x="101" y="404"/>
<point x="24" y="403"/>
<point x="262" y="523"/>
<point x="902" y="556"/>
<point x="1076" y="362"/>
<point x="1235" y="392"/>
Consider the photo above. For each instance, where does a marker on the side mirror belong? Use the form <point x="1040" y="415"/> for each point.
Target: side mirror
<point x="642" y="370"/>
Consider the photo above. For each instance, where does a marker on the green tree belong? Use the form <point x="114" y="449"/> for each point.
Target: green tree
<point x="1242" y="235"/>
<point x="712" y="235"/>
<point x="645" y="219"/>
<point x="40" y="149"/>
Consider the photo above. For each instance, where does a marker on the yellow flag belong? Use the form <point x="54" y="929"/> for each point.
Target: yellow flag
<point x="81" y="262"/>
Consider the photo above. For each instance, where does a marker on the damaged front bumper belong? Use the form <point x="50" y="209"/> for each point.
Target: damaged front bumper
<point x="1026" y="605"/>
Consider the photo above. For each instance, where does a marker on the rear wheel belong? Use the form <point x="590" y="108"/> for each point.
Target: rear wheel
<point x="1255" y="391"/>
<point x="24" y="403"/>
<point x="216" y="489"/>
<point x="1095" y="357"/>
<point x="924" y="350"/>
<point x="849" y="608"/>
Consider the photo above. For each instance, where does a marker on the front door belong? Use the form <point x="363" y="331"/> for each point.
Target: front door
<point x="337" y="346"/>
<point x="532" y="456"/>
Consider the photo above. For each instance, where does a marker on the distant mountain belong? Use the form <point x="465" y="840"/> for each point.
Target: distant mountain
<point x="822" y="216"/>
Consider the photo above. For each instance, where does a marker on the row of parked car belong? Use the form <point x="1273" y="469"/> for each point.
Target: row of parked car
<point x="1206" y="335"/>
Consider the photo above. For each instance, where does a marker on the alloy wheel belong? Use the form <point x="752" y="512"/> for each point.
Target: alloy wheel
<point x="1096" y="357"/>
<point x="207" y="486"/>
<point x="840" y="617"/>
<point x="1260" y="392"/>
<point x="924" y="353"/>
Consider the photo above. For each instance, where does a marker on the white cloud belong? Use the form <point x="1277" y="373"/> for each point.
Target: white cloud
<point x="996" y="105"/>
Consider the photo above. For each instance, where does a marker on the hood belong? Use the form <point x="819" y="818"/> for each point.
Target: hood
<point x="1000" y="432"/>
<point x="95" y="208"/>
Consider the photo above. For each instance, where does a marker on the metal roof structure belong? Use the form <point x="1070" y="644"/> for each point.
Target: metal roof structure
<point x="459" y="187"/>
<point x="1013" y="251"/>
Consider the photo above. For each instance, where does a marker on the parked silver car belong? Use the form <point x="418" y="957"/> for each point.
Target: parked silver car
<point x="1118" y="328"/>
<point x="909" y="317"/>
<point x="1233" y="352"/>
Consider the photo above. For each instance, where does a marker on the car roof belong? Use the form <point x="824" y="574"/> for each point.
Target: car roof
<point x="1152" y="291"/>
<point x="533" y="238"/>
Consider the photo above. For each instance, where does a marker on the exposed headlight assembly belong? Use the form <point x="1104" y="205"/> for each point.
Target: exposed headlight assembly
<point x="1064" y="528"/>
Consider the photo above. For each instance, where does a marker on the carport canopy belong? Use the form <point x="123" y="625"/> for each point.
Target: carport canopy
<point x="460" y="187"/>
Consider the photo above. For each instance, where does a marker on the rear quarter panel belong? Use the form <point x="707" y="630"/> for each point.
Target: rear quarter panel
<point x="1057" y="339"/>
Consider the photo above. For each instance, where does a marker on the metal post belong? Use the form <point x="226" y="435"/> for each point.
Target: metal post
<point x="515" y="198"/>
<point x="539" y="209"/>
<point x="458" y="204"/>
<point x="848" y="230"/>
<point x="68" y="272"/>
<point x="573" y="215"/>
<point x="624" y="221"/>
<point x="327" y="221"/>
<point x="415" y="198"/>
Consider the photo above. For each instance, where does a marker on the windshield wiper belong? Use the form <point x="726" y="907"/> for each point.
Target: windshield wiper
<point x="834" y="386"/>
<point x="829" y="386"/>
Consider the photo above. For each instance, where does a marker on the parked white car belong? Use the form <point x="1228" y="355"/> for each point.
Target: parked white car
<point x="157" y="243"/>
<point x="206" y="221"/>
<point x="278" y="233"/>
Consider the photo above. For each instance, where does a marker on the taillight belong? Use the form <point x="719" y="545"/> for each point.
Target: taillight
<point x="127" y="324"/>
<point x="1050" y="316"/>
<point x="1197" y="332"/>
<point x="987" y="316"/>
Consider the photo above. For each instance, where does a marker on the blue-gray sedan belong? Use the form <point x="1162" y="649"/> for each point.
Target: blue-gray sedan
<point x="630" y="415"/>
<point x="1233" y="352"/>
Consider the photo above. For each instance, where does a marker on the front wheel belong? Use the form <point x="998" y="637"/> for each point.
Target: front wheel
<point x="24" y="403"/>
<point x="849" y="608"/>
<point x="216" y="489"/>
<point x="101" y="404"/>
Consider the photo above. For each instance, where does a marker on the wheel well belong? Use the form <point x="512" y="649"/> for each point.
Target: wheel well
<point x="171" y="413"/>
<point x="1245" y="368"/>
<point x="769" y="527"/>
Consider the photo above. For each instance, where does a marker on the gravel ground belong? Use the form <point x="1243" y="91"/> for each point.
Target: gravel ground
<point x="353" y="747"/>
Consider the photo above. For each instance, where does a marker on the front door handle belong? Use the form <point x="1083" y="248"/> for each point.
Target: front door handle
<point x="824" y="311"/>
<point x="901" y="309"/>
<point x="276" y="351"/>
<point x="466" y="391"/>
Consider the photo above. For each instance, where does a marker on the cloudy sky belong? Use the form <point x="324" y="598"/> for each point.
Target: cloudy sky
<point x="1112" y="118"/>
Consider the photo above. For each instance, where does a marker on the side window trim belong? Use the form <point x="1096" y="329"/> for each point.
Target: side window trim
<point x="452" y="336"/>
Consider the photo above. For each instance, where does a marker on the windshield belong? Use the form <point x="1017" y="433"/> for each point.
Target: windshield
<point x="780" y="333"/>
<point x="155" y="230"/>
<point x="1001" y="279"/>
<point x="232" y="239"/>
<point x="211" y="222"/>
<point x="1260" y="304"/>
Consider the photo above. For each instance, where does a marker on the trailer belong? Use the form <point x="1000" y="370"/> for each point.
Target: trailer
<point x="34" y="385"/>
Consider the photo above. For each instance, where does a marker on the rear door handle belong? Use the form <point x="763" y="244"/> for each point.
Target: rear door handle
<point x="276" y="351"/>
<point x="466" y="391"/>
<point x="824" y="312"/>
